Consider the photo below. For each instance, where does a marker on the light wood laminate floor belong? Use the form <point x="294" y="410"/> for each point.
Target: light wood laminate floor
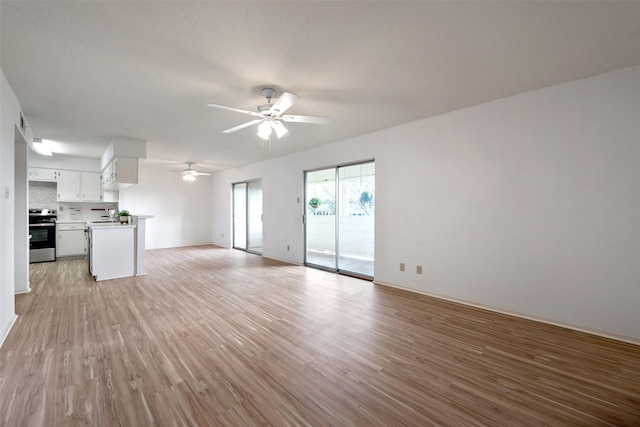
<point x="214" y="336"/>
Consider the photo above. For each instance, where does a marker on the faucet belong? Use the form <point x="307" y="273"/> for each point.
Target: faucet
<point x="112" y="211"/>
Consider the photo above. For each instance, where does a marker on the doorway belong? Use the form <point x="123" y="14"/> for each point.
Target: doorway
<point x="247" y="216"/>
<point x="21" y="214"/>
<point x="340" y="218"/>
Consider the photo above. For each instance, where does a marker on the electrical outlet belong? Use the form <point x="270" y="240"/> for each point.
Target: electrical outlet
<point x="418" y="269"/>
<point x="288" y="248"/>
<point x="402" y="266"/>
<point x="223" y="235"/>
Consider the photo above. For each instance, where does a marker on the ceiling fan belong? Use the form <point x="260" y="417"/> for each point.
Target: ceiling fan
<point x="271" y="115"/>
<point x="190" y="174"/>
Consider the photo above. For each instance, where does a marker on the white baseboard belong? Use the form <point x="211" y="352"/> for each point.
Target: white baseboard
<point x="23" y="292"/>
<point x="281" y="260"/>
<point x="629" y="340"/>
<point x="179" y="246"/>
<point x="6" y="332"/>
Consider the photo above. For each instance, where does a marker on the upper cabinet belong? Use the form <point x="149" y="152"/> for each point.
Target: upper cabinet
<point x="75" y="186"/>
<point x="121" y="172"/>
<point x="90" y="186"/>
<point x="42" y="174"/>
<point x="68" y="186"/>
<point x="78" y="186"/>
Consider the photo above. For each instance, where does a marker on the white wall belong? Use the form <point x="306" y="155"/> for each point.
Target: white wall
<point x="182" y="211"/>
<point x="283" y="194"/>
<point x="528" y="204"/>
<point x="58" y="161"/>
<point x="9" y="118"/>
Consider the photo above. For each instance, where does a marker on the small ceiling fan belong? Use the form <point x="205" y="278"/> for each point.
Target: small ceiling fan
<point x="189" y="174"/>
<point x="271" y="115"/>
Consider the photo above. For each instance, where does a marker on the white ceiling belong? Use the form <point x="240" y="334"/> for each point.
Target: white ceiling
<point x="85" y="71"/>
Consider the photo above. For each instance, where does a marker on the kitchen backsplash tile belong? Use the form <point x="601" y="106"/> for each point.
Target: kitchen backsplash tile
<point x="83" y="211"/>
<point x="42" y="195"/>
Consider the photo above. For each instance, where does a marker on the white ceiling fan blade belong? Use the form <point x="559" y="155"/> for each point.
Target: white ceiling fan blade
<point x="279" y="128"/>
<point x="202" y="174"/>
<point x="318" y="120"/>
<point x="283" y="103"/>
<point x="242" y="126"/>
<point x="237" y="110"/>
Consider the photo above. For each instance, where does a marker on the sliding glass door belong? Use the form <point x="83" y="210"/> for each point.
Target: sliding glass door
<point x="340" y="218"/>
<point x="254" y="216"/>
<point x="247" y="216"/>
<point x="356" y="218"/>
<point x="240" y="215"/>
<point x="321" y="218"/>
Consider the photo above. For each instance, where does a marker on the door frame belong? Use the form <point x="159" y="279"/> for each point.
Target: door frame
<point x="247" y="222"/>
<point x="337" y="268"/>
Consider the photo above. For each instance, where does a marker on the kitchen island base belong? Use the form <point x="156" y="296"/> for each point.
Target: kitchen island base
<point x="112" y="251"/>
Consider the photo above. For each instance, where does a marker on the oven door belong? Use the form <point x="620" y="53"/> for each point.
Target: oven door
<point x="42" y="236"/>
<point x="42" y="245"/>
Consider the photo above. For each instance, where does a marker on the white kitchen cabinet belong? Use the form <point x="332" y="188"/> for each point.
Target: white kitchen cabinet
<point x="68" y="186"/>
<point x="107" y="175"/>
<point x="90" y="187"/>
<point x="71" y="240"/>
<point x="43" y="174"/>
<point x="121" y="173"/>
<point x="76" y="186"/>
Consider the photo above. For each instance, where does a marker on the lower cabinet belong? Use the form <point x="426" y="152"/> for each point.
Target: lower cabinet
<point x="70" y="240"/>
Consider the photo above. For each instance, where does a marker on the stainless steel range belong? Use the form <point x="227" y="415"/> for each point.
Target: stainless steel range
<point x="42" y="232"/>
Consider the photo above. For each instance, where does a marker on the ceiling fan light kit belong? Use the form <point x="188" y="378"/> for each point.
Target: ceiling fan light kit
<point x="279" y="128"/>
<point x="268" y="125"/>
<point x="271" y="115"/>
<point x="264" y="130"/>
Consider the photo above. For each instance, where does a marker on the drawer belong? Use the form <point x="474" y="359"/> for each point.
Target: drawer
<point x="71" y="226"/>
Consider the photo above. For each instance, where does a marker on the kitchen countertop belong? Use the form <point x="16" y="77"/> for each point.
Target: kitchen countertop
<point x="109" y="225"/>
